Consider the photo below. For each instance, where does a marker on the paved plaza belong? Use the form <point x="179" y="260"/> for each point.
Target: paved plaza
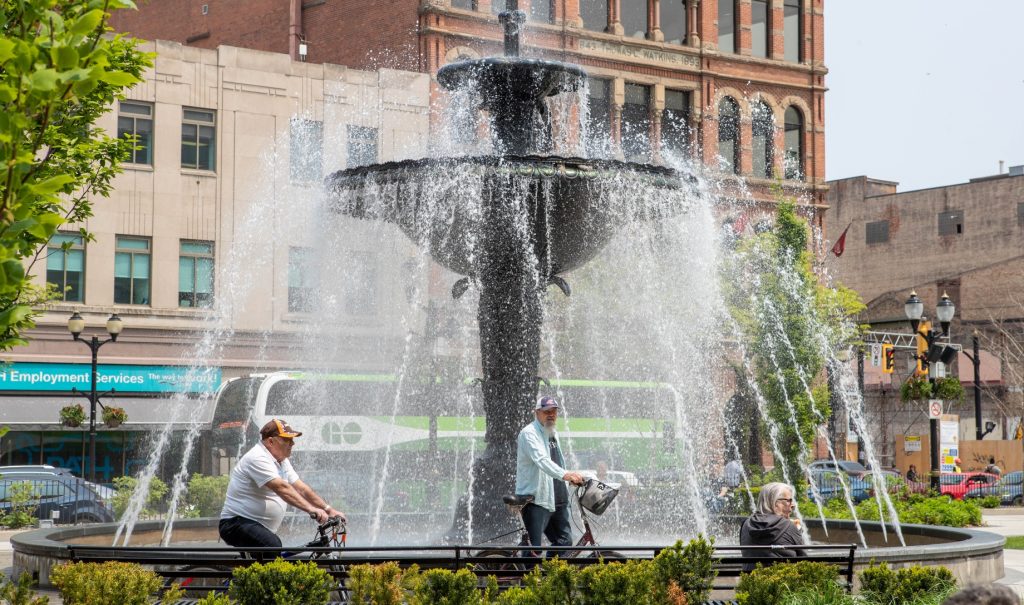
<point x="1005" y="522"/>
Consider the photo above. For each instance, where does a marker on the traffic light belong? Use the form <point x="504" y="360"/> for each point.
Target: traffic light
<point x="922" y="347"/>
<point x="888" y="358"/>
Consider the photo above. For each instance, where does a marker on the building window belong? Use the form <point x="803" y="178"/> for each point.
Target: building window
<point x="198" y="139"/>
<point x="195" y="274"/>
<point x="136" y="120"/>
<point x="599" y="120"/>
<point x="1020" y="213"/>
<point x="594" y="14"/>
<point x="759" y="28"/>
<point x="763" y="146"/>
<point x="791" y="22"/>
<point x="877" y="232"/>
<point x="794" y="157"/>
<point x="542" y="11"/>
<point x="301" y="279"/>
<point x="362" y="298"/>
<point x="362" y="146"/>
<point x="498" y="6"/>
<point x="131" y="271"/>
<point x="305" y="150"/>
<point x="951" y="222"/>
<point x="636" y="122"/>
<point x="673" y="20"/>
<point x="634" y="18"/>
<point x="727" y="26"/>
<point x="469" y="5"/>
<point x="675" y="122"/>
<point x="65" y="266"/>
<point x="729" y="135"/>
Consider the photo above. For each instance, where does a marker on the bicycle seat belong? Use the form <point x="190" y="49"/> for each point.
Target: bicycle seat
<point x="514" y="500"/>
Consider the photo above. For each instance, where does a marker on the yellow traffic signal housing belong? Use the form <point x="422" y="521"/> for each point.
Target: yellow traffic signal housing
<point x="922" y="348"/>
<point x="888" y="358"/>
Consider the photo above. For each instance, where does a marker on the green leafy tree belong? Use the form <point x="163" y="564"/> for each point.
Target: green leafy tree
<point x="789" y="321"/>
<point x="60" y="72"/>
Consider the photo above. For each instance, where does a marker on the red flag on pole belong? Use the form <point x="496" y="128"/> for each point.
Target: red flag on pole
<point x="840" y="246"/>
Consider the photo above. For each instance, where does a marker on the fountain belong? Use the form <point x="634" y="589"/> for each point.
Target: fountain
<point x="534" y="216"/>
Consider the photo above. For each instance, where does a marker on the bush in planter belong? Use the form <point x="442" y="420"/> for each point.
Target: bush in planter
<point x="280" y="583"/>
<point x="443" y="587"/>
<point x="690" y="568"/>
<point x="72" y="415"/>
<point x="990" y="502"/>
<point x="124" y="487"/>
<point x="884" y="586"/>
<point x="384" y="584"/>
<point x="553" y="582"/>
<point x="20" y="592"/>
<point x="771" y="585"/>
<point x="916" y="388"/>
<point x="948" y="389"/>
<point x="114" y="417"/>
<point x="214" y="599"/>
<point x="108" y="583"/>
<point x="23" y="502"/>
<point x="206" y="494"/>
<point x="629" y="583"/>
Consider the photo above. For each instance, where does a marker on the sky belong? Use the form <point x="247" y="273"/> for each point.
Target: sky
<point x="926" y="93"/>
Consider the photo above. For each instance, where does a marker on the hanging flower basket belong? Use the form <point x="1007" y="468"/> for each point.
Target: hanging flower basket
<point x="948" y="389"/>
<point x="114" y="417"/>
<point x="72" y="415"/>
<point x="916" y="388"/>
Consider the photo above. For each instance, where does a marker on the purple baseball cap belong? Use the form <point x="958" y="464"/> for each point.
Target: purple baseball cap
<point x="546" y="402"/>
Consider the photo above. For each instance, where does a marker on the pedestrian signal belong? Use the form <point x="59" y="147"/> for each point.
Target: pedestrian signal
<point x="888" y="358"/>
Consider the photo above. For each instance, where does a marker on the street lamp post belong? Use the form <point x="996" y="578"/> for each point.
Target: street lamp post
<point x="76" y="325"/>
<point x="944" y="311"/>
<point x="975" y="358"/>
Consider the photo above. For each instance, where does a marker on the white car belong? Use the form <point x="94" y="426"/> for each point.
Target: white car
<point x="625" y="478"/>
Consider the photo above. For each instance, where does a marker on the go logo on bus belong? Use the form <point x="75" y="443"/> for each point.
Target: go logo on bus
<point x="336" y="434"/>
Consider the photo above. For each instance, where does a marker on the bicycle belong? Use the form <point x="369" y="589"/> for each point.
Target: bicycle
<point x="515" y="506"/>
<point x="333" y="533"/>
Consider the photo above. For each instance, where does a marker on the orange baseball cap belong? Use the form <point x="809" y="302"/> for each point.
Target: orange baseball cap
<point x="278" y="428"/>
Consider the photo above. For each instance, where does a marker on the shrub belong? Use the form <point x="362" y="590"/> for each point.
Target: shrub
<point x="22" y="499"/>
<point x="206" y="494"/>
<point x="20" y="592"/>
<point x="442" y="587"/>
<point x="829" y="594"/>
<point x="114" y="417"/>
<point x="107" y="583"/>
<point x="214" y="599"/>
<point x="884" y="586"/>
<point x="72" y="415"/>
<point x="915" y="508"/>
<point x="384" y="584"/>
<point x="280" y="583"/>
<point x="770" y="585"/>
<point x="628" y="583"/>
<point x="690" y="569"/>
<point x="554" y="582"/>
<point x="948" y="389"/>
<point x="124" y="487"/>
<point x="915" y="388"/>
<point x="990" y="502"/>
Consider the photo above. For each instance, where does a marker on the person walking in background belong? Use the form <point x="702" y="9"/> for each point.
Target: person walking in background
<point x="771" y="525"/>
<point x="993" y="467"/>
<point x="733" y="474"/>
<point x="912" y="473"/>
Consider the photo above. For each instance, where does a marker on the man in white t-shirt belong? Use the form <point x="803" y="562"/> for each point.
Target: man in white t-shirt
<point x="262" y="485"/>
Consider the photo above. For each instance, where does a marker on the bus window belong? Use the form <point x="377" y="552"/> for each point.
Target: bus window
<point x="330" y="398"/>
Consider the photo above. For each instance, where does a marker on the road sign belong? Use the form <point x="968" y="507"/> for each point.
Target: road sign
<point x="934" y="409"/>
<point x="876" y="355"/>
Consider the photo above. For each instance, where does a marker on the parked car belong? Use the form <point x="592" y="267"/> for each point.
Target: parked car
<point x="105" y="492"/>
<point x="829" y="485"/>
<point x="849" y="467"/>
<point x="1010" y="489"/>
<point x="71" y="498"/>
<point x="957" y="485"/>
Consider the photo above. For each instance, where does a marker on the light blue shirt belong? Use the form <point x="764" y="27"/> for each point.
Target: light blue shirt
<point x="536" y="472"/>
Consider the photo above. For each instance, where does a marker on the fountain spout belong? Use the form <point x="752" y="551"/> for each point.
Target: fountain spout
<point x="512" y="21"/>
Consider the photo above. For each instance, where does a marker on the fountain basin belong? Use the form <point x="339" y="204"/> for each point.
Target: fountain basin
<point x="972" y="555"/>
<point x="571" y="206"/>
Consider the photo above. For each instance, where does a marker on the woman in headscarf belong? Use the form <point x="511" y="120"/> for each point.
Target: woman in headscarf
<point x="771" y="525"/>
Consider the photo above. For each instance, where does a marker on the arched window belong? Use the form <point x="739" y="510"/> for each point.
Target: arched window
<point x="594" y="14"/>
<point x="793" y="160"/>
<point x="727" y="26"/>
<point x="763" y="147"/>
<point x="729" y="135"/>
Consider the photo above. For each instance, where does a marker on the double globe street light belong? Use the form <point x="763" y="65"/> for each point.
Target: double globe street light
<point x="931" y="352"/>
<point x="76" y="325"/>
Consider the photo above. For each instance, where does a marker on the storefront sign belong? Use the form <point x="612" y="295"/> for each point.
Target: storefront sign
<point x="121" y="378"/>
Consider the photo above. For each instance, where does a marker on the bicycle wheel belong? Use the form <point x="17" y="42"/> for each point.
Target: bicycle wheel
<point x="499" y="569"/>
<point x="339" y="594"/>
<point x="199" y="586"/>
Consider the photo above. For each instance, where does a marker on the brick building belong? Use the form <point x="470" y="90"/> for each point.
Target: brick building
<point x="965" y="240"/>
<point x="736" y="84"/>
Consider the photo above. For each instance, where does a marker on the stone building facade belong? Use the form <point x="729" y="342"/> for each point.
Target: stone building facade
<point x="964" y="240"/>
<point x="220" y="133"/>
<point x="738" y="85"/>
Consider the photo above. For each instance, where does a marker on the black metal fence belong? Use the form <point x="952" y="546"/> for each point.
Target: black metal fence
<point x="57" y="499"/>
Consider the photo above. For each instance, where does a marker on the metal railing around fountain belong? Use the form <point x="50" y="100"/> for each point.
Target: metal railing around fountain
<point x="175" y="563"/>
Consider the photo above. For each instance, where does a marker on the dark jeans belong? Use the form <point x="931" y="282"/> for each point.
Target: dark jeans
<point x="239" y="531"/>
<point x="540" y="521"/>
